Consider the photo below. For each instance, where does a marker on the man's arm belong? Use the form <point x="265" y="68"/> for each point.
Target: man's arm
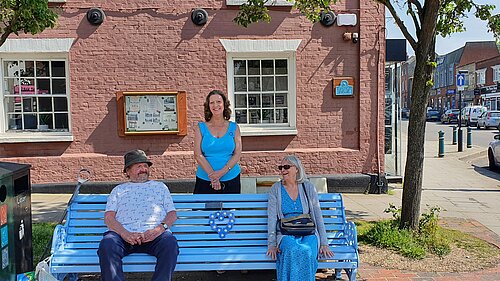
<point x="114" y="225"/>
<point x="169" y="219"/>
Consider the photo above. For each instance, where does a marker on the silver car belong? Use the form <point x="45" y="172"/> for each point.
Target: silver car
<point x="490" y="118"/>
<point x="494" y="153"/>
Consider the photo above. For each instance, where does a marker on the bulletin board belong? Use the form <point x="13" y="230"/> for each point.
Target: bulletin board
<point x="146" y="113"/>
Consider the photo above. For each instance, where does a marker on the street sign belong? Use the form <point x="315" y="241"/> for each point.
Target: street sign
<point x="460" y="81"/>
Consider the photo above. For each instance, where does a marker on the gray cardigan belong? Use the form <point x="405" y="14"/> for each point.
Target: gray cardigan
<point x="274" y="212"/>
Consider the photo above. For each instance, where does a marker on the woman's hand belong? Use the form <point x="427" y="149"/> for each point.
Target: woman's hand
<point x="325" y="251"/>
<point x="215" y="184"/>
<point x="271" y="252"/>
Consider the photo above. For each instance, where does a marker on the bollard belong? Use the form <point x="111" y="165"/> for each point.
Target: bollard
<point x="454" y="135"/>
<point x="441" y="144"/>
<point x="460" y="140"/>
<point x="469" y="137"/>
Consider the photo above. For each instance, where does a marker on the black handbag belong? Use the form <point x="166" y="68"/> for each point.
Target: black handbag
<point x="300" y="225"/>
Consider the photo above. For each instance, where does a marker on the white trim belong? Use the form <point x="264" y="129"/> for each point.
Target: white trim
<point x="268" y="3"/>
<point x="262" y="46"/>
<point x="23" y="137"/>
<point x="61" y="45"/>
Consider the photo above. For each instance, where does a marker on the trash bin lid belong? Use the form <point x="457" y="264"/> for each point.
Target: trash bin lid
<point x="8" y="169"/>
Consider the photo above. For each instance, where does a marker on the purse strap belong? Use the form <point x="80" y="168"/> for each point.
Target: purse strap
<point x="307" y="198"/>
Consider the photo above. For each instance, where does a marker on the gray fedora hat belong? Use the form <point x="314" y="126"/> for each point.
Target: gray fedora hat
<point x="135" y="156"/>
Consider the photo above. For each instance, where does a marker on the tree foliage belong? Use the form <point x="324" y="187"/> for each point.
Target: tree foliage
<point x="28" y="16"/>
<point x="429" y="19"/>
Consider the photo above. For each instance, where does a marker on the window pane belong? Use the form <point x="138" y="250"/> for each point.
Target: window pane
<point x="282" y="115"/>
<point x="42" y="69"/>
<point x="240" y="84"/>
<point x="11" y="68"/>
<point x="60" y="104"/>
<point x="29" y="104"/>
<point x="58" y="86"/>
<point x="45" y="119"/>
<point x="29" y="69"/>
<point x="254" y="116"/>
<point x="254" y="84"/>
<point x="254" y="100"/>
<point x="15" y="122"/>
<point x="267" y="100"/>
<point x="267" y="67"/>
<point x="281" y="67"/>
<point x="43" y="86"/>
<point x="27" y="86"/>
<point x="241" y="116"/>
<point x="240" y="67"/>
<point x="281" y="100"/>
<point x="267" y="116"/>
<point x="58" y="69"/>
<point x="268" y="84"/>
<point x="240" y="101"/>
<point x="11" y="86"/>
<point x="253" y="67"/>
<point x="281" y="83"/>
<point x="62" y="121"/>
<point x="30" y="121"/>
<point x="14" y="104"/>
<point x="45" y="104"/>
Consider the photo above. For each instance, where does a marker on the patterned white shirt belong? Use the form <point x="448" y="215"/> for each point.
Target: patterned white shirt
<point x="140" y="206"/>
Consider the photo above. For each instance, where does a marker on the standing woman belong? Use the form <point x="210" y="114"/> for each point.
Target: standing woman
<point x="297" y="256"/>
<point x="217" y="148"/>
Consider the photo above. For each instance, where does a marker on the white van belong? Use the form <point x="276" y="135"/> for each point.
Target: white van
<point x="470" y="114"/>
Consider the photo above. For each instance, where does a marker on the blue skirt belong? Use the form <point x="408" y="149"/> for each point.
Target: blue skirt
<point x="298" y="260"/>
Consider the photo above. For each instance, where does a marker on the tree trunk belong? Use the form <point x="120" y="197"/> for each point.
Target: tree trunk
<point x="412" y="187"/>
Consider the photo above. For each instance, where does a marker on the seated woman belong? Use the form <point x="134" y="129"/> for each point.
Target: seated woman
<point x="297" y="256"/>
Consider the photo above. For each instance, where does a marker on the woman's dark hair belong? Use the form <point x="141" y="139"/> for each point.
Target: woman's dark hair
<point x="227" y="110"/>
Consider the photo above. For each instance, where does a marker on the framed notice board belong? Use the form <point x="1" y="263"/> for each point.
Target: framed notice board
<point x="146" y="113"/>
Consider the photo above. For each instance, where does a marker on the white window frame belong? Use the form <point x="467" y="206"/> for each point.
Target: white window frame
<point x="481" y="76"/>
<point x="496" y="73"/>
<point x="265" y="49"/>
<point x="34" y="49"/>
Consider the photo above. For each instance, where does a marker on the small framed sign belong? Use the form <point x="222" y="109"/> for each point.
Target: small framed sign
<point x="146" y="113"/>
<point x="343" y="87"/>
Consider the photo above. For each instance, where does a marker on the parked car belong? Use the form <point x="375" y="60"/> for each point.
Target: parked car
<point x="494" y="153"/>
<point x="433" y="115"/>
<point x="490" y="118"/>
<point x="470" y="114"/>
<point x="450" y="115"/>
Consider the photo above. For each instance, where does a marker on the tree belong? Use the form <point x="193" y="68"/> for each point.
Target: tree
<point x="429" y="18"/>
<point x="29" y="16"/>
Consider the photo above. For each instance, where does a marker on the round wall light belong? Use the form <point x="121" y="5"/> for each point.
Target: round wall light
<point x="327" y="18"/>
<point x="199" y="16"/>
<point x="95" y="16"/>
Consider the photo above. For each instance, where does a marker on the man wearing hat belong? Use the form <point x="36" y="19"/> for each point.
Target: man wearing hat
<point x="139" y="214"/>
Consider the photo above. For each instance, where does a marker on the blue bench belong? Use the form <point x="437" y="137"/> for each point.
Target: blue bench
<point x="244" y="247"/>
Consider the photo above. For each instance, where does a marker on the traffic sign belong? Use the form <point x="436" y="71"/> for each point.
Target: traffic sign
<point x="460" y="81"/>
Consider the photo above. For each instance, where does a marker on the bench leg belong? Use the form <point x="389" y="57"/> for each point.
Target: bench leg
<point x="352" y="274"/>
<point x="71" y="276"/>
<point x="338" y="274"/>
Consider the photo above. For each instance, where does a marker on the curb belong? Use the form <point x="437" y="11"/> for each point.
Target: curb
<point x="474" y="155"/>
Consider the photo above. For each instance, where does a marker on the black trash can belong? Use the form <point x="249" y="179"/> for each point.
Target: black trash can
<point x="15" y="222"/>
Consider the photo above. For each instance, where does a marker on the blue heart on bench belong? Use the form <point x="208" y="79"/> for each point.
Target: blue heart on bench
<point x="220" y="216"/>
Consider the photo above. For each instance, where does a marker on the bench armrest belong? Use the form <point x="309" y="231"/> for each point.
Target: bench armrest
<point x="351" y="234"/>
<point x="58" y="238"/>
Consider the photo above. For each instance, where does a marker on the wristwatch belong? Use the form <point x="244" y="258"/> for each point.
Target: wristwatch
<point x="165" y="225"/>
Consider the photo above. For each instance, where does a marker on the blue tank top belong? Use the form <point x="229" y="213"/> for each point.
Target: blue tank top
<point x="218" y="151"/>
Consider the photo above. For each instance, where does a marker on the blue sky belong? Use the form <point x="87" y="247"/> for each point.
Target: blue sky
<point x="476" y="30"/>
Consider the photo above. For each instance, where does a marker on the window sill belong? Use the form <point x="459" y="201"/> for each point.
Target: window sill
<point x="255" y="131"/>
<point x="268" y="3"/>
<point x="35" y="137"/>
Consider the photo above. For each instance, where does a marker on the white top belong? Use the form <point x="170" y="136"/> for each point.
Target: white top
<point x="140" y="206"/>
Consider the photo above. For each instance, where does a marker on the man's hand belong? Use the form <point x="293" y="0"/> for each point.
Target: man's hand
<point x="133" y="238"/>
<point x="151" y="234"/>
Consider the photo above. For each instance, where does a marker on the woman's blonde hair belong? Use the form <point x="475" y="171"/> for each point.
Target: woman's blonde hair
<point x="301" y="172"/>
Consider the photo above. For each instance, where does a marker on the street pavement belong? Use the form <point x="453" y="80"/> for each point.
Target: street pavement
<point x="463" y="190"/>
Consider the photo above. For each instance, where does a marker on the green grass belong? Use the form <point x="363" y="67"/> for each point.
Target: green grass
<point x="42" y="233"/>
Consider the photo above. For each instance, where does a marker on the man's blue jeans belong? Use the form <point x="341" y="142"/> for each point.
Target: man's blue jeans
<point x="113" y="248"/>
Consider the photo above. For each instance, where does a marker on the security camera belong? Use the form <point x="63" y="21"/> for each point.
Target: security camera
<point x="355" y="38"/>
<point x="95" y="16"/>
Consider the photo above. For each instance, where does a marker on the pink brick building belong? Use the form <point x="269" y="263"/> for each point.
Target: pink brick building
<point x="151" y="46"/>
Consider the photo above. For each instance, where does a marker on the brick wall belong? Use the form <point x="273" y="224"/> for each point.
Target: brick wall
<point x="146" y="46"/>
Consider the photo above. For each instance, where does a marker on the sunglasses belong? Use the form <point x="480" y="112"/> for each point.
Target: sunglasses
<point x="286" y="167"/>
